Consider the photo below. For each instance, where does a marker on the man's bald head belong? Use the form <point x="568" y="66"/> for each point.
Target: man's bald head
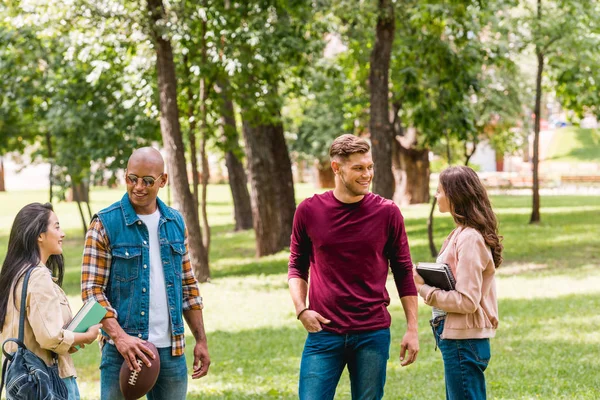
<point x="145" y="162"/>
<point x="149" y="157"/>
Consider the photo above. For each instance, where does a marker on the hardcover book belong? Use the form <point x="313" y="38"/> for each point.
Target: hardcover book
<point x="90" y="314"/>
<point x="438" y="275"/>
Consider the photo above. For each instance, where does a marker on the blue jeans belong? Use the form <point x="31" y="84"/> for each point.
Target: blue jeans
<point x="465" y="360"/>
<point x="171" y="383"/>
<point x="326" y="354"/>
<point x="71" y="384"/>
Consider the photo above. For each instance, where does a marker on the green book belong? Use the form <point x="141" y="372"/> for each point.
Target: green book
<point x="90" y="314"/>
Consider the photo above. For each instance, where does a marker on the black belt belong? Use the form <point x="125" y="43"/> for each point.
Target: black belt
<point x="435" y="322"/>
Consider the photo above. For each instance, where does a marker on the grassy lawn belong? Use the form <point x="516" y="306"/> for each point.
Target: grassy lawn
<point x="575" y="144"/>
<point x="546" y="347"/>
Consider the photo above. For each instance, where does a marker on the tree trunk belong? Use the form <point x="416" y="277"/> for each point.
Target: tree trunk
<point x="80" y="194"/>
<point x="204" y="134"/>
<point x="192" y="132"/>
<point x="285" y="178"/>
<point x="204" y="160"/>
<point x="2" y="186"/>
<point x="415" y="173"/>
<point x="380" y="126"/>
<point x="432" y="250"/>
<point x="273" y="203"/>
<point x="325" y="175"/>
<point x="300" y="170"/>
<point x="51" y="173"/>
<point x="173" y="142"/>
<point x="238" y="182"/>
<point x="535" y="211"/>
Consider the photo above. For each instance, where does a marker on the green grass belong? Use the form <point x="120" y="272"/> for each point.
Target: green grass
<point x="549" y="289"/>
<point x="575" y="145"/>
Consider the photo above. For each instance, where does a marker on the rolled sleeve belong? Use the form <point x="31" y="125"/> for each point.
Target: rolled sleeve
<point x="189" y="283"/>
<point x="95" y="268"/>
<point x="44" y="314"/>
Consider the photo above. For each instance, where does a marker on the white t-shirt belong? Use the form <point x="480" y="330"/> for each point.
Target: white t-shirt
<point x="159" y="325"/>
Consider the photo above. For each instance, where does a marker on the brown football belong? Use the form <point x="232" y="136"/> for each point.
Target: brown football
<point x="135" y="385"/>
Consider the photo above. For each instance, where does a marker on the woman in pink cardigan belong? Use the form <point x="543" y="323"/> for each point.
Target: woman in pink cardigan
<point x="466" y="318"/>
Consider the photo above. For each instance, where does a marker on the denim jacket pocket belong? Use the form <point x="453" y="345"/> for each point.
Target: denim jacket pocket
<point x="177" y="253"/>
<point x="126" y="263"/>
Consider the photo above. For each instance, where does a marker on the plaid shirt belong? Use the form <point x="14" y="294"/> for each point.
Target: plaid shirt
<point x="95" y="273"/>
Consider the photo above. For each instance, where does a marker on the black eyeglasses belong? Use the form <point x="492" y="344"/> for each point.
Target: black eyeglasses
<point x="147" y="181"/>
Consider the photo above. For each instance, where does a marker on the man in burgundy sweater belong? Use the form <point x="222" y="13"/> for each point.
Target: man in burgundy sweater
<point x="347" y="238"/>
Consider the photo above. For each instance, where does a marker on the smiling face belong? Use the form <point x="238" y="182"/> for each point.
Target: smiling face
<point x="50" y="242"/>
<point x="145" y="162"/>
<point x="353" y="176"/>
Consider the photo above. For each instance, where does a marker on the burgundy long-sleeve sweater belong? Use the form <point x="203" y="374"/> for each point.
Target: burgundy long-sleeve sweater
<point x="347" y="248"/>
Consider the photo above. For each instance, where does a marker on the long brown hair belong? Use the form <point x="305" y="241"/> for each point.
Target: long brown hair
<point x="24" y="253"/>
<point x="470" y="206"/>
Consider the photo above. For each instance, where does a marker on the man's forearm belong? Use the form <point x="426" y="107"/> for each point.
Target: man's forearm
<point x="112" y="327"/>
<point x="298" y="291"/>
<point x="410" y="305"/>
<point x="196" y="323"/>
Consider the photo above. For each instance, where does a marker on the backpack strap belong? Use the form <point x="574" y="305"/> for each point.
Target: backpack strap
<point x="23" y="309"/>
<point x="7" y="356"/>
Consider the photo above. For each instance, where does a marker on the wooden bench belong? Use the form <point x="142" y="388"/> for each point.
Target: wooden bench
<point x="580" y="179"/>
<point x="521" y="181"/>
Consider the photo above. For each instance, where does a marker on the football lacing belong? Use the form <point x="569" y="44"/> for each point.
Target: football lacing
<point x="134" y="374"/>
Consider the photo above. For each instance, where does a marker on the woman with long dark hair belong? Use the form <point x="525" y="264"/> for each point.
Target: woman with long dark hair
<point x="466" y="318"/>
<point x="35" y="243"/>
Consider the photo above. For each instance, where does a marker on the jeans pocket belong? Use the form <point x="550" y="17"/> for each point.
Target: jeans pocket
<point x="481" y="349"/>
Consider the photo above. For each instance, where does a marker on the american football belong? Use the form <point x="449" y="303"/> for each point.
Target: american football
<point x="135" y="385"/>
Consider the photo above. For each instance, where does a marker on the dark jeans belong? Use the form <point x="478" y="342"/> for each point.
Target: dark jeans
<point x="326" y="354"/>
<point x="171" y="383"/>
<point x="465" y="360"/>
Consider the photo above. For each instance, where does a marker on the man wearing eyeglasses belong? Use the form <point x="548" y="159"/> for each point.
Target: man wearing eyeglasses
<point x="136" y="264"/>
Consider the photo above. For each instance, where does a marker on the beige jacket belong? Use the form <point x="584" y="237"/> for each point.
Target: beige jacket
<point x="473" y="307"/>
<point x="48" y="311"/>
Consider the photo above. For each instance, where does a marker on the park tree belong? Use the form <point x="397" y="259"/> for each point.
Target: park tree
<point x="560" y="33"/>
<point x="230" y="144"/>
<point x="316" y="117"/>
<point x="267" y="44"/>
<point x="172" y="137"/>
<point x="382" y="134"/>
<point x="438" y="57"/>
<point x="79" y="114"/>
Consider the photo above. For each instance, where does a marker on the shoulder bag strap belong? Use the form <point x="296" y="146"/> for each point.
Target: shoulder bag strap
<point x="24" y="312"/>
<point x="21" y="337"/>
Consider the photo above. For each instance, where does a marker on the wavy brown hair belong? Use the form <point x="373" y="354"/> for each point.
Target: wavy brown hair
<point x="345" y="145"/>
<point x="24" y="252"/>
<point x="470" y="206"/>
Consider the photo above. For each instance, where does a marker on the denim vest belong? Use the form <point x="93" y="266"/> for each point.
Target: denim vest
<point x="128" y="285"/>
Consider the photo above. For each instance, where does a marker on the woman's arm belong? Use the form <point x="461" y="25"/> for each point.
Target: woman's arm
<point x="44" y="313"/>
<point x="473" y="258"/>
<point x="87" y="337"/>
